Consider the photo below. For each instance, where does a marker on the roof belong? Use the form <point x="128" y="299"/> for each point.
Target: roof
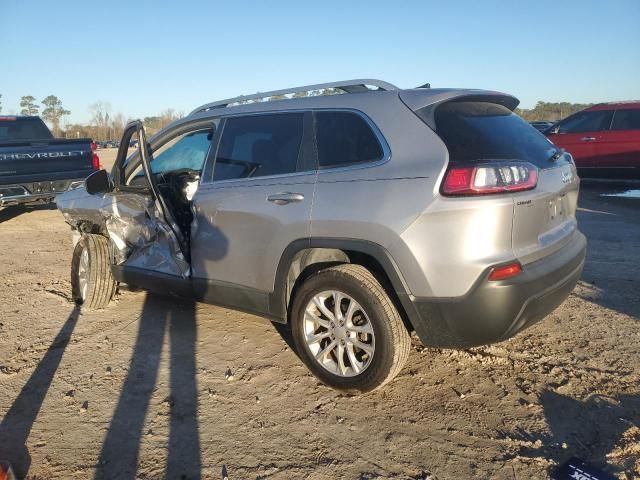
<point x="348" y="86"/>
<point x="356" y="92"/>
<point x="627" y="104"/>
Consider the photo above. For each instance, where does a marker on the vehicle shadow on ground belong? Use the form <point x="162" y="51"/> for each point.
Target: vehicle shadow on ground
<point x="588" y="429"/>
<point x="16" y="425"/>
<point x="612" y="228"/>
<point x="13" y="211"/>
<point x="120" y="450"/>
<point x="613" y="297"/>
<point x="284" y="330"/>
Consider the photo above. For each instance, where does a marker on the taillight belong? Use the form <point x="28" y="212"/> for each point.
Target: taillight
<point x="6" y="472"/>
<point x="490" y="178"/>
<point x="95" y="160"/>
<point x="505" y="271"/>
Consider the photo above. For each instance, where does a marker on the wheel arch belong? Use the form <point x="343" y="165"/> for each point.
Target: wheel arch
<point x="88" y="226"/>
<point x="304" y="257"/>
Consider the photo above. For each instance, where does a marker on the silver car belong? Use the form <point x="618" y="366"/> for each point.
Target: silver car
<point x="356" y="218"/>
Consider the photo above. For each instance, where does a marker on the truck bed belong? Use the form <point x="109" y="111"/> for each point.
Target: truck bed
<point x="38" y="169"/>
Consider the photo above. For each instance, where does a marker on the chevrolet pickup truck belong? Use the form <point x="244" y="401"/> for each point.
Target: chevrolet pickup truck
<point x="35" y="166"/>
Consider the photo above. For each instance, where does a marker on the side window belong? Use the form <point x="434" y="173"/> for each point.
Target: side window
<point x="626" y="120"/>
<point x="184" y="151"/>
<point x="345" y="138"/>
<point x="586" y="122"/>
<point x="259" y="145"/>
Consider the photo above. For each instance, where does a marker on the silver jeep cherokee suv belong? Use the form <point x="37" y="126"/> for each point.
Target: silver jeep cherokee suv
<point x="356" y="218"/>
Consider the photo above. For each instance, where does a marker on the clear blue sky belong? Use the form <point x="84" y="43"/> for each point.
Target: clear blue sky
<point x="144" y="56"/>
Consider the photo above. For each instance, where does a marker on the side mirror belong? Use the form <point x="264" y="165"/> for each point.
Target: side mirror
<point x="553" y="130"/>
<point x="97" y="182"/>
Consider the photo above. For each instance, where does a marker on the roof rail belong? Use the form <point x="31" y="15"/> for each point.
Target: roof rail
<point x="348" y="86"/>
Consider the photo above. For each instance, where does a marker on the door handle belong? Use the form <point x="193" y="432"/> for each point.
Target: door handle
<point x="284" y="198"/>
<point x="588" y="139"/>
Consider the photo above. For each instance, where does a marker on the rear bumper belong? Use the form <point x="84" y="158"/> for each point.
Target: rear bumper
<point x="34" y="191"/>
<point x="495" y="311"/>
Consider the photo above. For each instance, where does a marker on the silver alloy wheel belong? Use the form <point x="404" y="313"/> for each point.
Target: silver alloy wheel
<point x="339" y="333"/>
<point x="83" y="273"/>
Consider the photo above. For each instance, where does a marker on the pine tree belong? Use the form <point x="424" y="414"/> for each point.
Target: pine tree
<point x="53" y="112"/>
<point x="28" y="107"/>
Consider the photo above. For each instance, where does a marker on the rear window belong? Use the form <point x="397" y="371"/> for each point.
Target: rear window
<point x="345" y="138"/>
<point x="626" y="120"/>
<point x="16" y="129"/>
<point x="475" y="131"/>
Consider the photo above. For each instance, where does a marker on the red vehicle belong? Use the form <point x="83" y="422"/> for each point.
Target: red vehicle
<point x="604" y="139"/>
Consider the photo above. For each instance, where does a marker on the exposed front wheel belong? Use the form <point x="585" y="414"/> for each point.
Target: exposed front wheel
<point x="347" y="331"/>
<point x="92" y="284"/>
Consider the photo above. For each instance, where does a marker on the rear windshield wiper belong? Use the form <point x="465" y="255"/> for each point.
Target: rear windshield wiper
<point x="557" y="154"/>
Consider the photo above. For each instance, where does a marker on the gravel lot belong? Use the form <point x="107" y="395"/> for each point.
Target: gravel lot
<point x="154" y="387"/>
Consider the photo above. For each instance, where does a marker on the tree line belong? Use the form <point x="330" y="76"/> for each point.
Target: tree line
<point x="551" y="111"/>
<point x="52" y="110"/>
<point x="103" y="123"/>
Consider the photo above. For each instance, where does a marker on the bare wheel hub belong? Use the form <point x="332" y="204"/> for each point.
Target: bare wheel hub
<point x="339" y="333"/>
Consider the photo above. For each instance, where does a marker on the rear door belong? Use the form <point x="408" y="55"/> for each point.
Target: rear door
<point x="620" y="147"/>
<point x="544" y="219"/>
<point x="253" y="202"/>
<point x="484" y="132"/>
<point x="581" y="135"/>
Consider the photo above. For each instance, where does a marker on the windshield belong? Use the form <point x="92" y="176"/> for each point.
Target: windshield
<point x="487" y="131"/>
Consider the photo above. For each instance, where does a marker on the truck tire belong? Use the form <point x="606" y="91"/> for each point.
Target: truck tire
<point x="347" y="331"/>
<point x="92" y="284"/>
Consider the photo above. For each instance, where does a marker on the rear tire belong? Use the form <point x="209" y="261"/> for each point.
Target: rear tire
<point x="92" y="284"/>
<point x="357" y="347"/>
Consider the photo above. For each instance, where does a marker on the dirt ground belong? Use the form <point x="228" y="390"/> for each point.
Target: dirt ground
<point x="156" y="387"/>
